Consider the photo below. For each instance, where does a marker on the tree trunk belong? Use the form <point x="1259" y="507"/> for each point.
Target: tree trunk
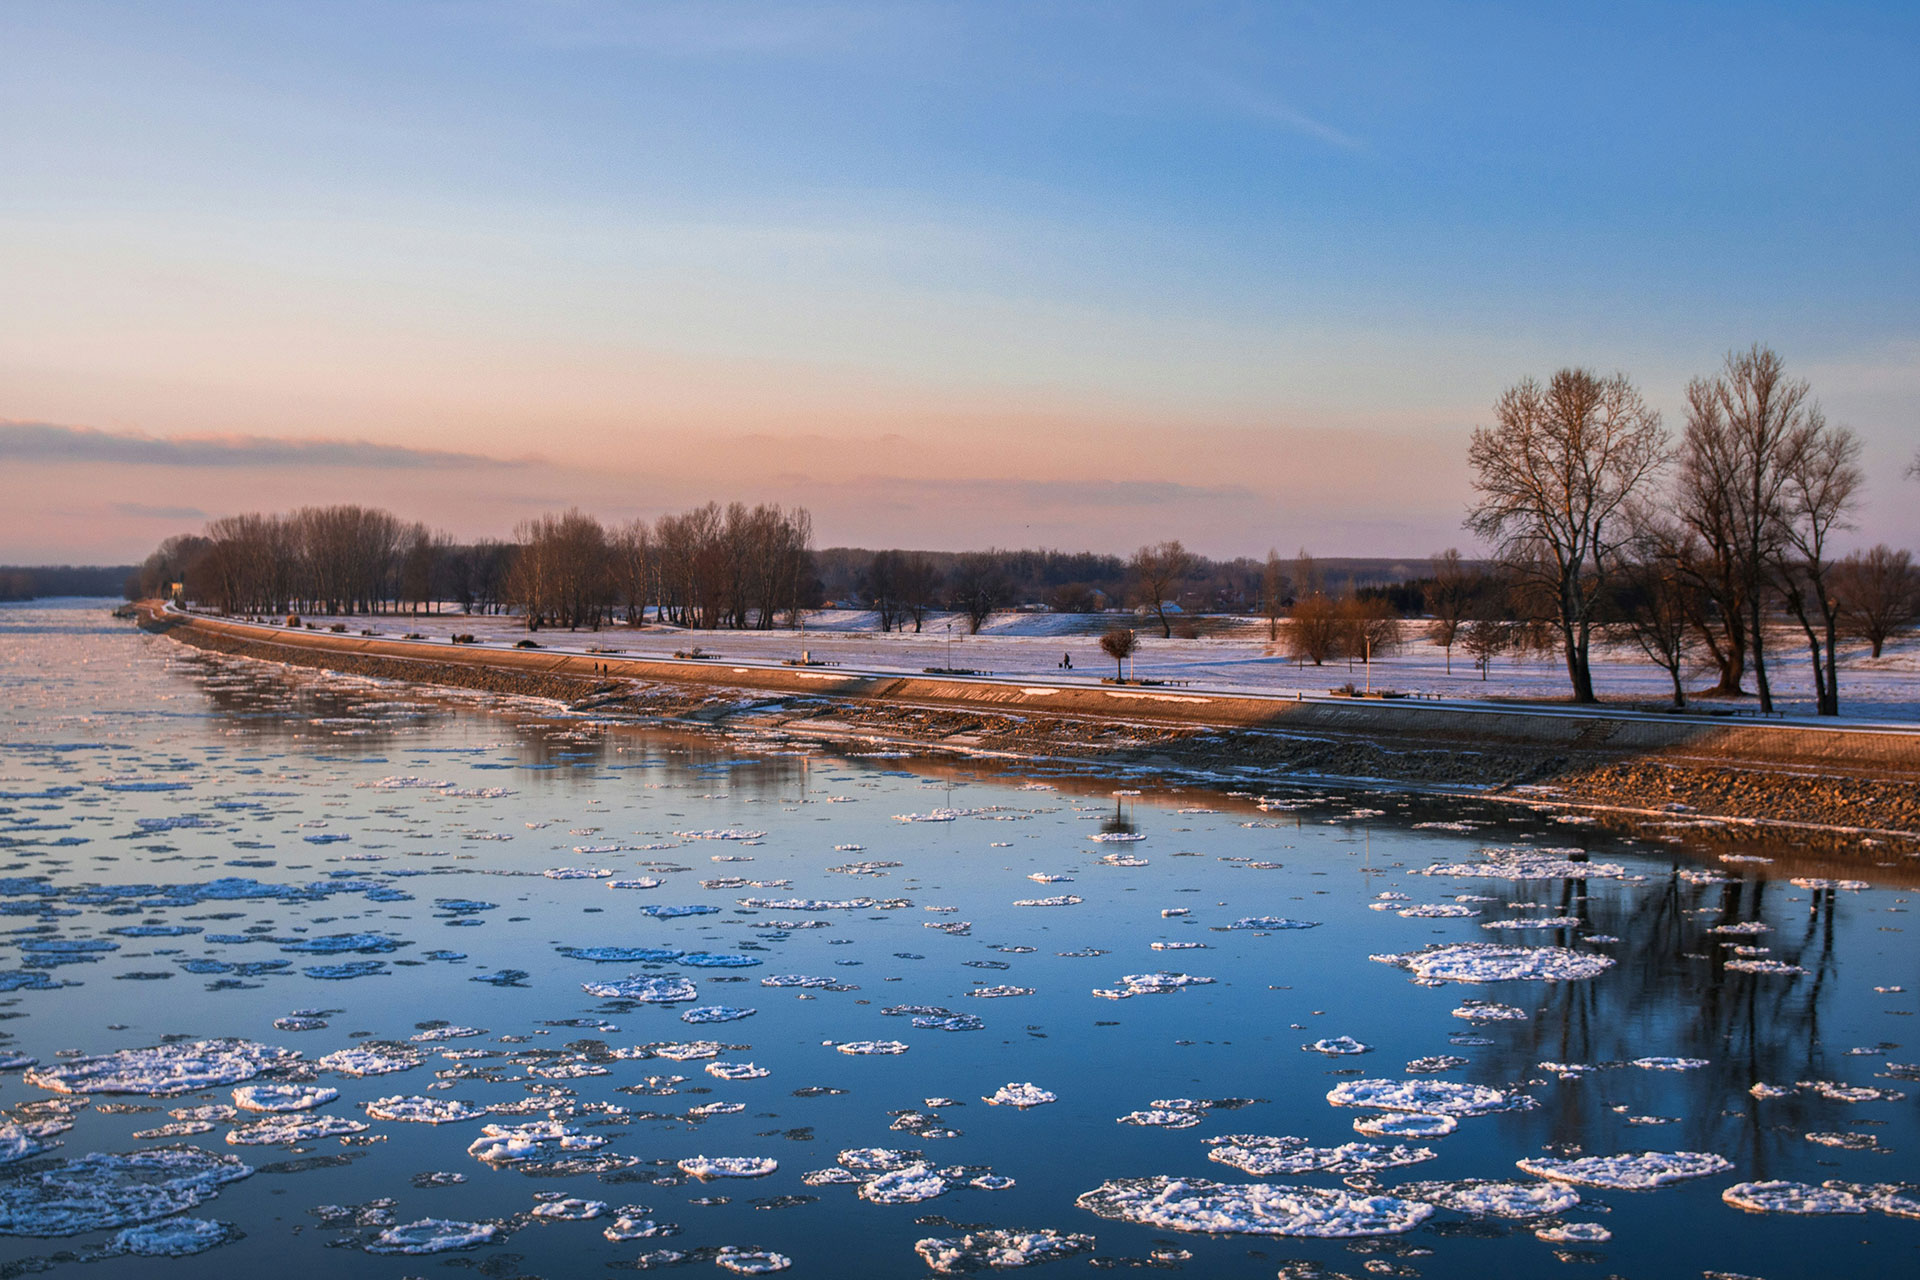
<point x="1759" y="642"/>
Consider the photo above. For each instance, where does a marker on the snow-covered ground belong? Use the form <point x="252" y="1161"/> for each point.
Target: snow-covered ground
<point x="1242" y="660"/>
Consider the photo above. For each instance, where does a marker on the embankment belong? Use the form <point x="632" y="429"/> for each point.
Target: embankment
<point x="1779" y="774"/>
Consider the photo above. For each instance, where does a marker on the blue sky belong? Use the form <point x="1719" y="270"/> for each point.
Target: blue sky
<point x="949" y="274"/>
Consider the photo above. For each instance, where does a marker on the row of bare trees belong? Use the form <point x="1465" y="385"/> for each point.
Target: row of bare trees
<point x="709" y="567"/>
<point x="1594" y="513"/>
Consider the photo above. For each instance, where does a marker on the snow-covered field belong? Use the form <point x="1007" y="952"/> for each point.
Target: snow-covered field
<point x="1034" y="644"/>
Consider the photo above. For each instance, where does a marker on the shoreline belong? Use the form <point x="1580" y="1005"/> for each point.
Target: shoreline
<point x="1856" y="791"/>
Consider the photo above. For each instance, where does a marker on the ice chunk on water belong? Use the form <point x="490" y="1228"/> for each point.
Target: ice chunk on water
<point x="102" y="1190"/>
<point x="1573" y="1233"/>
<point x="1021" y="1096"/>
<point x="17" y="1143"/>
<point x="670" y="989"/>
<point x="288" y="1129"/>
<point x="1271" y="924"/>
<point x="705" y="1167"/>
<point x="1163" y="1118"/>
<point x="432" y="1235"/>
<point x="997" y="1250"/>
<point x="1791" y="1197"/>
<point x="367" y="1061"/>
<point x="1628" y="1172"/>
<point x="1405" y="1124"/>
<point x="708" y="1013"/>
<point x="511" y="1143"/>
<point x="1062" y="900"/>
<point x="1780" y="967"/>
<point x="1430" y="910"/>
<point x="861" y="1048"/>
<point x="751" y="1262"/>
<point x="1196" y="1204"/>
<point x="908" y="1184"/>
<point x="569" y="1210"/>
<point x="1493" y="962"/>
<point x="1337" y="1046"/>
<point x="1264" y="1156"/>
<point x="1484" y="1198"/>
<point x="174" y="1238"/>
<point x="1489" y="1011"/>
<point x="283" y="1097"/>
<point x="737" y="1071"/>
<point x="1669" y="1064"/>
<point x="1428" y="1097"/>
<point x="163" y="1071"/>
<point x="1528" y="864"/>
<point x="419" y="1110"/>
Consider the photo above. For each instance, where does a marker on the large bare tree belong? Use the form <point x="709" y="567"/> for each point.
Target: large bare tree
<point x="1823" y="484"/>
<point x="1157" y="571"/>
<point x="1744" y="426"/>
<point x="1553" y="476"/>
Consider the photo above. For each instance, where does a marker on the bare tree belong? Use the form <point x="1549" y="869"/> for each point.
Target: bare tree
<point x="1486" y="639"/>
<point x="1657" y="597"/>
<point x="1448" y="601"/>
<point x="1553" y="476"/>
<point x="1274" y="589"/>
<point x="978" y="587"/>
<point x="1369" y="628"/>
<point x="1823" y="483"/>
<point x="1157" y="571"/>
<point x="881" y="587"/>
<point x="630" y="554"/>
<point x="1743" y="426"/>
<point x="1313" y="632"/>
<point x="1119" y="643"/>
<point x="1879" y="592"/>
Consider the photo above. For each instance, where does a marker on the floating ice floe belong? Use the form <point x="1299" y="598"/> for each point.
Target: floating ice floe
<point x="1264" y="1156"/>
<point x="709" y="1013"/>
<point x="1489" y="1011"/>
<point x="1428" y="1097"/>
<point x="283" y="1097"/>
<point x="1572" y="1233"/>
<point x="1062" y="900"/>
<point x="1021" y="1096"/>
<point x="622" y="955"/>
<point x="1272" y="924"/>
<point x="995" y="1249"/>
<point x="736" y="1071"/>
<point x="419" y="1110"/>
<point x="802" y="981"/>
<point x="631" y="1225"/>
<point x="705" y="1167"/>
<point x="1639" y="1172"/>
<point x="1492" y="962"/>
<point x="1163" y="1118"/>
<point x="366" y="1061"/>
<point x="1536" y="922"/>
<point x="1337" y="1047"/>
<point x="1428" y="910"/>
<point x="281" y="1130"/>
<point x="1817" y="882"/>
<point x="647" y="990"/>
<point x="569" y="1210"/>
<point x="636" y="882"/>
<point x="1529" y="864"/>
<point x="866" y="1048"/>
<point x="1197" y="1204"/>
<point x="999" y="992"/>
<point x="163" y="1071"/>
<point x="104" y="1190"/>
<point x="1486" y="1198"/>
<point x="1669" y="1064"/>
<point x="1405" y="1124"/>
<point x="432" y="1235"/>
<point x="721" y="835"/>
<point x="18" y="1142"/>
<point x="1042" y="877"/>
<point x="1791" y="1197"/>
<point x="807" y="904"/>
<point x="1745" y="965"/>
<point x="173" y="1238"/>
<point x="750" y="1262"/>
<point x="674" y="911"/>
<point x="909" y="1184"/>
<point x="500" y="1144"/>
<point x="1144" y="984"/>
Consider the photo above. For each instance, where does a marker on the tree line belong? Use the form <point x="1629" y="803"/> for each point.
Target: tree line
<point x="709" y="567"/>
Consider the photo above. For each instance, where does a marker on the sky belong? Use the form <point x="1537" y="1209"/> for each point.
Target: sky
<point x="949" y="275"/>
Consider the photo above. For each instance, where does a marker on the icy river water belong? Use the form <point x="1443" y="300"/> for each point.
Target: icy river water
<point x="307" y="976"/>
